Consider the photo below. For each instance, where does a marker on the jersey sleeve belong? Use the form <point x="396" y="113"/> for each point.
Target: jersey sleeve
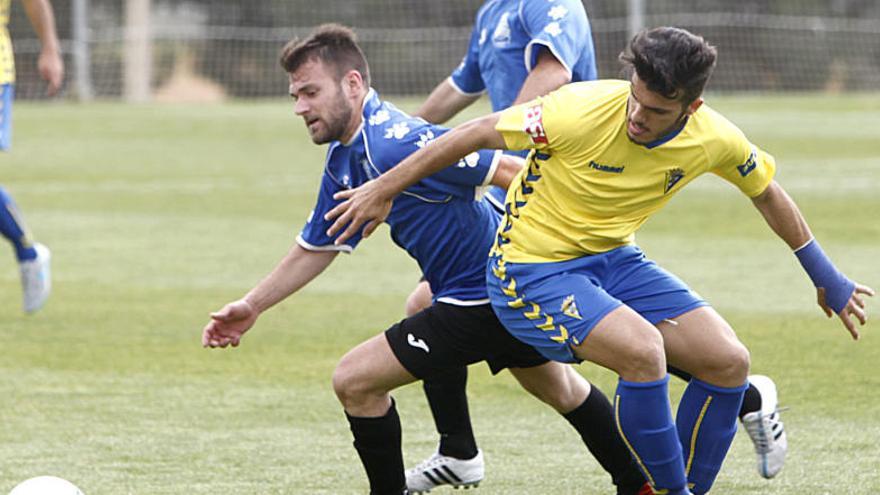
<point x="746" y="166"/>
<point x="541" y="124"/>
<point x="314" y="234"/>
<point x="476" y="169"/>
<point x="466" y="77"/>
<point x="561" y="27"/>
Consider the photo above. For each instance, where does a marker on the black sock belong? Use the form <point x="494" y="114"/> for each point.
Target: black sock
<point x="751" y="401"/>
<point x="377" y="441"/>
<point x="448" y="400"/>
<point x="594" y="420"/>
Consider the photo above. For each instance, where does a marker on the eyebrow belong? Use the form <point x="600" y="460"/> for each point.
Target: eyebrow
<point x="305" y="87"/>
<point x="653" y="109"/>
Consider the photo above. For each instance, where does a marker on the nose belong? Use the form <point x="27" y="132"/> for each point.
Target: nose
<point x="300" y="107"/>
<point x="637" y="114"/>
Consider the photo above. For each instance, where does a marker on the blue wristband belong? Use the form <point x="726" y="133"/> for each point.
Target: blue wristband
<point x="838" y="288"/>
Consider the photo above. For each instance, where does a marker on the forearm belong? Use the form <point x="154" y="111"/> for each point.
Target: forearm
<point x="296" y="269"/>
<point x="40" y="14"/>
<point x="783" y="216"/>
<point x="444" y="151"/>
<point x="508" y="167"/>
<point x="444" y="103"/>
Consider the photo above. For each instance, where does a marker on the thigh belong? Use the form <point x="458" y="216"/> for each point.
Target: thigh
<point x="446" y="336"/>
<point x="551" y="314"/>
<point x="650" y="290"/>
<point x="700" y="341"/>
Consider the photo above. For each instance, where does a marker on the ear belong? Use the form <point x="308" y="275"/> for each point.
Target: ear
<point x="353" y="82"/>
<point x="694" y="106"/>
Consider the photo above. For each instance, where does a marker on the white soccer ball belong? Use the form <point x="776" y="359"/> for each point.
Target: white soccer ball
<point x="46" y="485"/>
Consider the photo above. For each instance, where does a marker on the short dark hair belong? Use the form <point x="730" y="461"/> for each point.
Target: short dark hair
<point x="333" y="44"/>
<point x="671" y="61"/>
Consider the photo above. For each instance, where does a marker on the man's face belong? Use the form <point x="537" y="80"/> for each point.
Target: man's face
<point x="320" y="100"/>
<point x="650" y="116"/>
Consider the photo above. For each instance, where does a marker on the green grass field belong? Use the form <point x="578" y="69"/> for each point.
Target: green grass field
<point x="157" y="215"/>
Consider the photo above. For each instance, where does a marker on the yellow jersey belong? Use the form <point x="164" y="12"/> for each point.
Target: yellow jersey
<point x="7" y="61"/>
<point x="588" y="188"/>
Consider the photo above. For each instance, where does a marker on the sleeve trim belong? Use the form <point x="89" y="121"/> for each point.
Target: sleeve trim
<point x="345" y="248"/>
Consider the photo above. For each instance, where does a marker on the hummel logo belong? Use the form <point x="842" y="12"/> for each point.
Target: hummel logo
<point x="419" y="343"/>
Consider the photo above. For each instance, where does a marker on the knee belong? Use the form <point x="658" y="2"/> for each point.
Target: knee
<point x="730" y="366"/>
<point x="350" y="385"/>
<point x="644" y="358"/>
<point x="563" y="395"/>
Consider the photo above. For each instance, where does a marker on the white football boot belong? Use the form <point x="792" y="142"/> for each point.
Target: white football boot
<point x="439" y="470"/>
<point x="766" y="430"/>
<point x="36" y="279"/>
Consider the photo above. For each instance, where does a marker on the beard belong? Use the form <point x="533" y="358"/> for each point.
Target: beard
<point x="336" y="121"/>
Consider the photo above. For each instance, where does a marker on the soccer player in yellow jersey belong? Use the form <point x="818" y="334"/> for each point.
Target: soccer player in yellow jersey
<point x="33" y="258"/>
<point x="565" y="275"/>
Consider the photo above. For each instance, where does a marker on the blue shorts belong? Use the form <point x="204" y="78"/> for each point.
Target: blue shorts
<point x="553" y="306"/>
<point x="7" y="91"/>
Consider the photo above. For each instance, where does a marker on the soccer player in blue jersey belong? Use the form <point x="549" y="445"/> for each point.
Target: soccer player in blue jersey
<point x="565" y="275"/>
<point x="33" y="258"/>
<point x="442" y="223"/>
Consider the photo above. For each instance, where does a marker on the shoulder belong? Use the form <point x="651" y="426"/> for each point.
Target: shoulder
<point x="716" y="129"/>
<point x="391" y="134"/>
<point x="587" y="98"/>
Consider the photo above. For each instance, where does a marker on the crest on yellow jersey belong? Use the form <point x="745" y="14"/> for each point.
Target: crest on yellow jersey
<point x="672" y="177"/>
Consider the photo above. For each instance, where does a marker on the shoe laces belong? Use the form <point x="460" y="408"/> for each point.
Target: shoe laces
<point x="435" y="460"/>
<point x="761" y="430"/>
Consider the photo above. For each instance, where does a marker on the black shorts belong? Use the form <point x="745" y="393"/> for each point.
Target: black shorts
<point x="445" y="336"/>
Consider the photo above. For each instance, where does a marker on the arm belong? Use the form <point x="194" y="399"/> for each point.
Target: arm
<point x="547" y="75"/>
<point x="508" y="167"/>
<point x="49" y="63"/>
<point x="444" y="103"/>
<point x="370" y="203"/>
<point x="836" y="293"/>
<point x="293" y="272"/>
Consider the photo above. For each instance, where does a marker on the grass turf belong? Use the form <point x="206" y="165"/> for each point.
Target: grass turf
<point x="157" y="215"/>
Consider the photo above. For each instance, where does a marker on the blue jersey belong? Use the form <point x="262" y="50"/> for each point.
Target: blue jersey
<point x="441" y="221"/>
<point x="506" y="39"/>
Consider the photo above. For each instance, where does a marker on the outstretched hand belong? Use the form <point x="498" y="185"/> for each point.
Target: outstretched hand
<point x="229" y="324"/>
<point x="854" y="307"/>
<point x="365" y="206"/>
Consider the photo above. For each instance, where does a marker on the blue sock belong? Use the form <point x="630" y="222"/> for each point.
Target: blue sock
<point x="706" y="423"/>
<point x="13" y="229"/>
<point x="644" y="419"/>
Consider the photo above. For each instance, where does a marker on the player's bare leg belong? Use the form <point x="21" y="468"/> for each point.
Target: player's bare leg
<point x="362" y="382"/>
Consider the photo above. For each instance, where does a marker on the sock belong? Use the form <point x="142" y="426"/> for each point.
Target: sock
<point x="448" y="400"/>
<point x="706" y="423"/>
<point x="13" y="228"/>
<point x="594" y="420"/>
<point x="377" y="441"/>
<point x="751" y="401"/>
<point x="644" y="420"/>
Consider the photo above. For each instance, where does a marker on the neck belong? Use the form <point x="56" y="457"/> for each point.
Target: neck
<point x="357" y="117"/>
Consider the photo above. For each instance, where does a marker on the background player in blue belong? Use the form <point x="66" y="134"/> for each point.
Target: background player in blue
<point x="519" y="50"/>
<point x="597" y="173"/>
<point x="33" y="258"/>
<point x="441" y="223"/>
